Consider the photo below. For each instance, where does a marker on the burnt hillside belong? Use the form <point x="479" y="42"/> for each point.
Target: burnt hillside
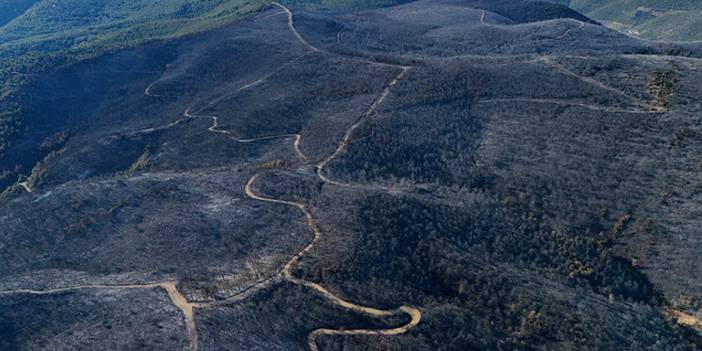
<point x="436" y="175"/>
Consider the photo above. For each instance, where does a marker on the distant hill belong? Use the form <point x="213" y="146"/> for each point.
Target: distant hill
<point x="524" y="11"/>
<point x="9" y="9"/>
<point x="51" y="25"/>
<point x="342" y="4"/>
<point x="39" y="35"/>
<point x="650" y="19"/>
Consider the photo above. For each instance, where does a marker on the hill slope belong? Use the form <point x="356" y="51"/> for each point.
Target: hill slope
<point x="437" y="175"/>
<point x="656" y="20"/>
<point x="40" y="35"/>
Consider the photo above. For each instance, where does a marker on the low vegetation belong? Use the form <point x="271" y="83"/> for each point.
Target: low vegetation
<point x="657" y="20"/>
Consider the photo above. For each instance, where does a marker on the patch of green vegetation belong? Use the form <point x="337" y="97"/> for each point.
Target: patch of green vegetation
<point x="141" y="163"/>
<point x="342" y="4"/>
<point x="38" y="36"/>
<point x="629" y="5"/>
<point x="650" y="19"/>
<point x="661" y="84"/>
<point x="52" y="25"/>
<point x="674" y="26"/>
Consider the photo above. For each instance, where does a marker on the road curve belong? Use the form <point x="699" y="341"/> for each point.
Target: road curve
<point x="291" y="25"/>
<point x="25" y="185"/>
<point x="148" y="92"/>
<point x="298" y="150"/>
<point x="214" y="128"/>
<point x="413" y="313"/>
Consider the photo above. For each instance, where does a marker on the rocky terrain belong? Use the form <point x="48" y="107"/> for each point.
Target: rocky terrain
<point x="435" y="175"/>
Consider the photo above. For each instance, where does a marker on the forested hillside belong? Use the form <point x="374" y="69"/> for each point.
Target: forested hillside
<point x="650" y="19"/>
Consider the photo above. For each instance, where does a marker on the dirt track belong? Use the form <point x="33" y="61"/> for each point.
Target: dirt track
<point x="176" y="297"/>
<point x="414" y="314"/>
<point x="170" y="287"/>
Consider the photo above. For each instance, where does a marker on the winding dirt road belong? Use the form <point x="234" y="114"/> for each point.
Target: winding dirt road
<point x="414" y="314"/>
<point x="416" y="317"/>
<point x="547" y="61"/>
<point x="170" y="287"/>
<point x="286" y="272"/>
